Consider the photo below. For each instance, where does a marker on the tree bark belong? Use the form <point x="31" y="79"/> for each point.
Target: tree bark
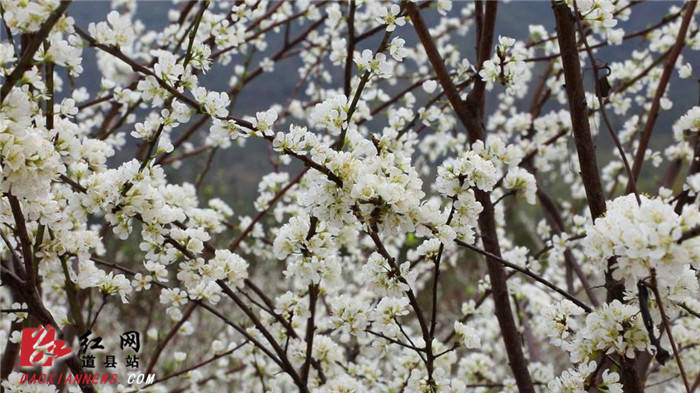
<point x="566" y="35"/>
<point x="470" y="113"/>
<point x="660" y="90"/>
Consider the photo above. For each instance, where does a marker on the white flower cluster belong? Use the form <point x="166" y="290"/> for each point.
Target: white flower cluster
<point x="376" y="64"/>
<point x="522" y="182"/>
<point x="331" y="114"/>
<point x="682" y="130"/>
<point x="376" y="182"/>
<point x="27" y="16"/>
<point x="467" y="336"/>
<point x="507" y="67"/>
<point x="576" y="380"/>
<point x="614" y="329"/>
<point x="117" y="30"/>
<point x="390" y="17"/>
<point x="481" y="168"/>
<point x="644" y="238"/>
<point x="600" y="16"/>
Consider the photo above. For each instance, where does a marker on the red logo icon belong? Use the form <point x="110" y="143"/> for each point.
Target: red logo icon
<point x="40" y="347"/>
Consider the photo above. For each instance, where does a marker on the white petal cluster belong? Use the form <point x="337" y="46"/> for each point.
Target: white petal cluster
<point x="644" y="238"/>
<point x="575" y="380"/>
<point x="683" y="128"/>
<point x="614" y="328"/>
<point x="376" y="64"/>
<point x="507" y="67"/>
<point x="522" y="182"/>
<point x="331" y="114"/>
<point x="118" y="30"/>
<point x="598" y="13"/>
<point x="213" y="103"/>
<point x="390" y="17"/>
<point x="27" y="16"/>
<point x="467" y="336"/>
<point x="227" y="266"/>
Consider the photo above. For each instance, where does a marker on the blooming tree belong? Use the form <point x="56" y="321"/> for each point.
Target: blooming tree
<point x="381" y="254"/>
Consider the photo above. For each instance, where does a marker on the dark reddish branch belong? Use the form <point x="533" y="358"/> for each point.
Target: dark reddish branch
<point x="199" y="365"/>
<point x="234" y="244"/>
<point x="277" y="56"/>
<point x="436" y="60"/>
<point x="689" y="234"/>
<point x="310" y="330"/>
<point x="667" y="326"/>
<point x="250" y="339"/>
<point x="25" y="242"/>
<point x="470" y="114"/>
<point x="266" y="16"/>
<point x="566" y="35"/>
<point x="260" y="32"/>
<point x="669" y="178"/>
<point x="588" y="31"/>
<point x="602" y="102"/>
<point x="556" y="221"/>
<point x="284" y="362"/>
<point x="642" y="74"/>
<point x="168" y="337"/>
<point x="9" y="357"/>
<point x="552" y="214"/>
<point x="479" y="19"/>
<point x="578" y="109"/>
<point x="351" y="48"/>
<point x="475" y="99"/>
<point x="526" y="272"/>
<point x="660" y="90"/>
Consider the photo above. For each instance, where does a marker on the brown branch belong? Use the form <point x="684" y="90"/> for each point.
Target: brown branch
<point x="667" y="327"/>
<point x="25" y="243"/>
<point x="236" y="242"/>
<point x="685" y="196"/>
<point x="470" y="114"/>
<point x="300" y="38"/>
<point x="310" y="328"/>
<point x="168" y="337"/>
<point x="578" y="110"/>
<point x="643" y="73"/>
<point x="601" y="103"/>
<point x="553" y="215"/>
<point x="198" y="365"/>
<point x="660" y="90"/>
<point x="351" y="48"/>
<point x="395" y="341"/>
<point x="689" y="234"/>
<point x="283" y="360"/>
<point x="201" y="304"/>
<point x="526" y="272"/>
<point x="10" y="353"/>
<point x="587" y="158"/>
<point x="37" y="310"/>
<point x="313" y="164"/>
